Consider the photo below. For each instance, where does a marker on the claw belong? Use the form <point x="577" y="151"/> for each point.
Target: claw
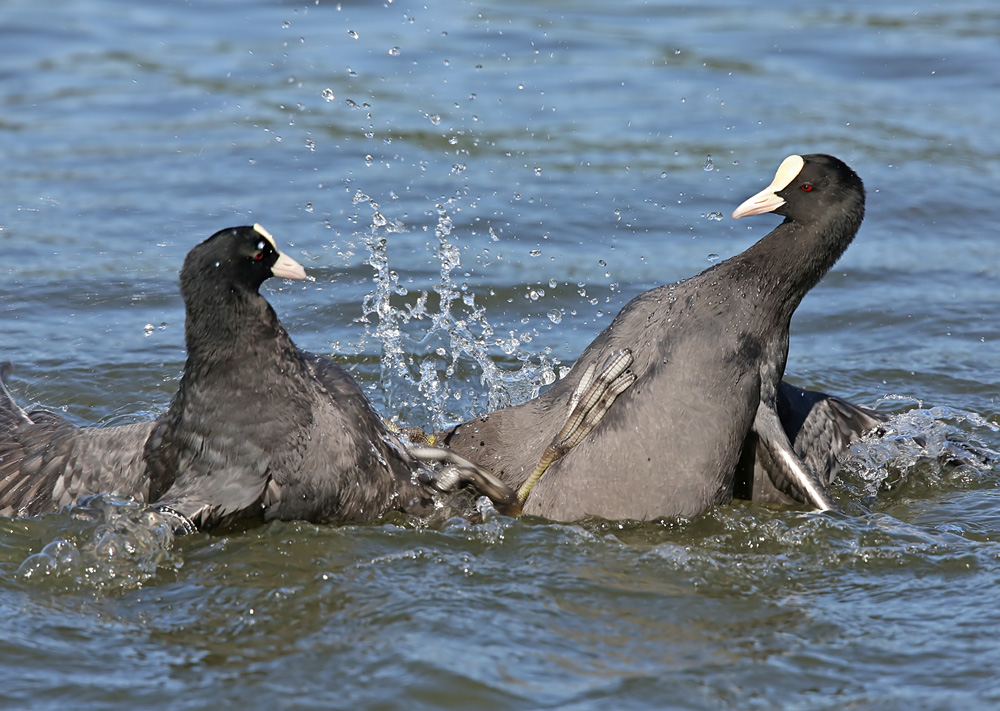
<point x="588" y="404"/>
<point x="463" y="471"/>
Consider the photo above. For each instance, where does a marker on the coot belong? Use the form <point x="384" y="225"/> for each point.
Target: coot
<point x="709" y="354"/>
<point x="257" y="428"/>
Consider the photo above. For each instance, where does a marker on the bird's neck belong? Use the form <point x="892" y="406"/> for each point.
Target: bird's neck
<point x="792" y="259"/>
<point x="228" y="324"/>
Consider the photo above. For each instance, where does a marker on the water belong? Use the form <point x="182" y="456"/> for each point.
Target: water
<point x="477" y="188"/>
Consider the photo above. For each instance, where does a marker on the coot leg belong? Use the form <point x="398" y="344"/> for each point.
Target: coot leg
<point x="461" y="471"/>
<point x="587" y="406"/>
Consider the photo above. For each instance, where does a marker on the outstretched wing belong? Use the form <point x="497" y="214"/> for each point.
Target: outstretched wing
<point x="47" y="463"/>
<point x="820" y="427"/>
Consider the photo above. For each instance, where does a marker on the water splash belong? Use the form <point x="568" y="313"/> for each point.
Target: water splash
<point x="922" y="439"/>
<point x="427" y="353"/>
<point x="120" y="545"/>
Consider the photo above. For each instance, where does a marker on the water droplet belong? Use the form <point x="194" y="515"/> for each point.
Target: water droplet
<point x="310" y="144"/>
<point x="538" y="171"/>
<point x="714" y="216"/>
<point x="602" y="262"/>
<point x="709" y="165"/>
<point x="353" y="34"/>
<point x="309" y="207"/>
<point x="553" y="283"/>
<point x="555" y="316"/>
<point x="327" y="94"/>
<point x="394" y="51"/>
<point x="148" y="329"/>
<point x="713" y="258"/>
<point x="535" y="253"/>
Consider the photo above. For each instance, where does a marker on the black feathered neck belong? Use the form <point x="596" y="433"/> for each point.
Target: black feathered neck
<point x="225" y="313"/>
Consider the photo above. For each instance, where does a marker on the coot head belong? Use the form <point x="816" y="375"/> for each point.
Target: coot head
<point x="238" y="258"/>
<point x="806" y="189"/>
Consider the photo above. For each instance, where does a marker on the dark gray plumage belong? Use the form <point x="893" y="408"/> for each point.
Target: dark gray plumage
<point x="709" y="355"/>
<point x="257" y="427"/>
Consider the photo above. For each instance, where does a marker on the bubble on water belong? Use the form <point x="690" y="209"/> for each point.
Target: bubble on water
<point x="327" y="94"/>
<point x="709" y="165"/>
<point x="57" y="558"/>
<point x="122" y="544"/>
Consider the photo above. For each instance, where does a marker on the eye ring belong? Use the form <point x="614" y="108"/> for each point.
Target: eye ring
<point x="806" y="187"/>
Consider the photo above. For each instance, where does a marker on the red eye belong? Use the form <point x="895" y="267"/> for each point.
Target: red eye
<point x="258" y="256"/>
<point x="806" y="187"/>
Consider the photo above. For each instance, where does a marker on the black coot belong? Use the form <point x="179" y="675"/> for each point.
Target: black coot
<point x="257" y="428"/>
<point x="709" y="354"/>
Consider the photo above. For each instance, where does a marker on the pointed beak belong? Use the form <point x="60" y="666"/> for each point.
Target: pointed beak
<point x="764" y="201"/>
<point x="287" y="268"/>
<point x="768" y="200"/>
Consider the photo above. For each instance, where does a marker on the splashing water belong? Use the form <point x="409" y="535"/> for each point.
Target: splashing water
<point x="121" y="545"/>
<point x="903" y="447"/>
<point x="453" y="338"/>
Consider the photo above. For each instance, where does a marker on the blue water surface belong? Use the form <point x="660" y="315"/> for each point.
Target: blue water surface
<point x="512" y="172"/>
